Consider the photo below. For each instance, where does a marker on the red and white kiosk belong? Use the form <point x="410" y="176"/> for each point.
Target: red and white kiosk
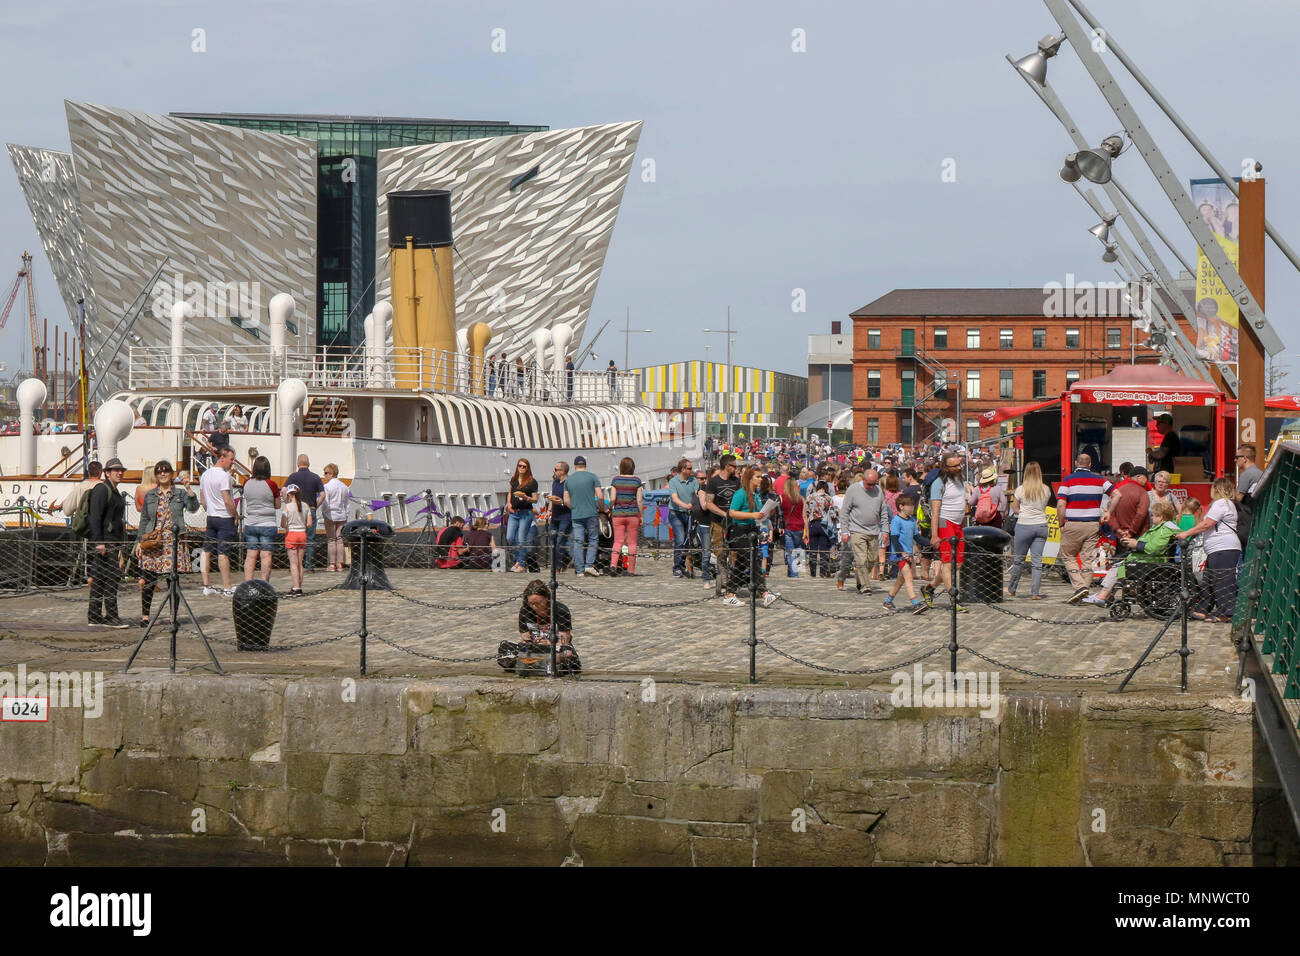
<point x="1113" y="419"/>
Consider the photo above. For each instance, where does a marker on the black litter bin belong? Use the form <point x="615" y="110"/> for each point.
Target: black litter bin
<point x="980" y="572"/>
<point x="254" y="605"/>
<point x="375" y="533"/>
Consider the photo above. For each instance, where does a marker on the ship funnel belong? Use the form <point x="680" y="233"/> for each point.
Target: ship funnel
<point x="480" y="334"/>
<point x="31" y="396"/>
<point x="290" y="396"/>
<point x="423" y="290"/>
<point x="113" y="422"/>
<point x="180" y="312"/>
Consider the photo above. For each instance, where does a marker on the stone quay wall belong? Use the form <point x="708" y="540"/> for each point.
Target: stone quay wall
<point x="277" y="770"/>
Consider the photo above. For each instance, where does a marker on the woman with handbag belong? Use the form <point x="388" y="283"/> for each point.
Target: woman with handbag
<point x="154" y="542"/>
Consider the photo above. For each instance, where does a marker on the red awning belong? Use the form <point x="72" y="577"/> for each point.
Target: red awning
<point x="1145" y="385"/>
<point x="1014" y="411"/>
<point x="1289" y="402"/>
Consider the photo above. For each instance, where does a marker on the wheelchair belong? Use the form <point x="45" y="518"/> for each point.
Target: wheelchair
<point x="1152" y="586"/>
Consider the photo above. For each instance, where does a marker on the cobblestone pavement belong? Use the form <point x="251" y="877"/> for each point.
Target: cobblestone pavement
<point x="692" y="636"/>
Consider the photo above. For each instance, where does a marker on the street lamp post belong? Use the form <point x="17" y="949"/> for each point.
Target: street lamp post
<point x="730" y="333"/>
<point x="628" y="332"/>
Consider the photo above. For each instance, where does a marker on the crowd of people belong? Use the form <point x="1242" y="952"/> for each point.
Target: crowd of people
<point x="891" y="520"/>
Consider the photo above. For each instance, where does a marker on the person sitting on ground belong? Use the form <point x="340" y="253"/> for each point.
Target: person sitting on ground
<point x="1154" y="545"/>
<point x="536" y="616"/>
<point x="476" y="546"/>
<point x="448" y="550"/>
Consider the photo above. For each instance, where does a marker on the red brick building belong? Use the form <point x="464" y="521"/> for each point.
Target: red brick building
<point x="925" y="359"/>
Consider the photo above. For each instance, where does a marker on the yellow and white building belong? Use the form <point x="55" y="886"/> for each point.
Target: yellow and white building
<point x="754" y="396"/>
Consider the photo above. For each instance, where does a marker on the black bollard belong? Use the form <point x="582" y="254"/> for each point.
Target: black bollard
<point x="254" y="607"/>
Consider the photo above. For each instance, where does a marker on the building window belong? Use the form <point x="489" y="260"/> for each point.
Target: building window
<point x="972" y="432"/>
<point x="941" y="338"/>
<point x="1114" y="339"/>
<point x="972" y="338"/>
<point x="1006" y="339"/>
<point x="905" y="429"/>
<point x="973" y="383"/>
<point x="1040" y="338"/>
<point x="1071" y="376"/>
<point x="1040" y="383"/>
<point x="1071" y="338"/>
<point x="873" y="430"/>
<point x="1006" y="383"/>
<point x="941" y="381"/>
<point x="873" y="338"/>
<point x="873" y="383"/>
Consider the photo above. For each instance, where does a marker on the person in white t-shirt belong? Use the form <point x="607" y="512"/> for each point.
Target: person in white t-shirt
<point x="219" y="534"/>
<point x="1031" y="500"/>
<point x="334" y="512"/>
<point x="1222" y="552"/>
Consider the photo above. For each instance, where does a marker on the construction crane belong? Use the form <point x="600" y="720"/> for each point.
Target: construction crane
<point x="24" y="277"/>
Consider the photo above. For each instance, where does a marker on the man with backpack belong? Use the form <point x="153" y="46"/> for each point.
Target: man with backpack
<point x="991" y="503"/>
<point x="106" y="532"/>
<point x="71" y="503"/>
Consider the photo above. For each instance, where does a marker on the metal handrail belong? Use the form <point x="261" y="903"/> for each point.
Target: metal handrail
<point x="417" y="369"/>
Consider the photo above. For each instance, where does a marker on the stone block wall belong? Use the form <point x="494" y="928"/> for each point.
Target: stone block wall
<point x="455" y="771"/>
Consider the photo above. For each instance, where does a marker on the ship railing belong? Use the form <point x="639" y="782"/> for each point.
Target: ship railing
<point x="417" y="369"/>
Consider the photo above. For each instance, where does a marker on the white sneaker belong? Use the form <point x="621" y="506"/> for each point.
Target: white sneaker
<point x="228" y="592"/>
<point x="591" y="572"/>
<point x="770" y="598"/>
<point x="733" y="601"/>
<point x="207" y="590"/>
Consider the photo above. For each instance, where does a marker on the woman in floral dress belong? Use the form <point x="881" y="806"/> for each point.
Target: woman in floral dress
<point x="164" y="499"/>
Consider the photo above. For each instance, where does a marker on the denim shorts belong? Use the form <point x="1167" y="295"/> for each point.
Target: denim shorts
<point x="260" y="538"/>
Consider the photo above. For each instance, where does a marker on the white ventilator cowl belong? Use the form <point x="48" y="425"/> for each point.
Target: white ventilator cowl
<point x="181" y="313"/>
<point x="31" y="396"/>
<point x="561" y="338"/>
<point x="113" y="422"/>
<point x="281" y="309"/>
<point x="290" y="396"/>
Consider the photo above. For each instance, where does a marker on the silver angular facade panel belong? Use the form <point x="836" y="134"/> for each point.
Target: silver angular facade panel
<point x="528" y="257"/>
<point x="233" y="210"/>
<point x="50" y="188"/>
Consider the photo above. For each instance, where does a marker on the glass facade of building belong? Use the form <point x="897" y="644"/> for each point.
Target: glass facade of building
<point x="347" y="192"/>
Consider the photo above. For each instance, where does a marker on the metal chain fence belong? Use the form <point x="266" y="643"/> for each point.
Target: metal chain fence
<point x="415" y="593"/>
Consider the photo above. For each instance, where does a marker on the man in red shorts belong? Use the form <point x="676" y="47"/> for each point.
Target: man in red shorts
<point x="949" y="495"/>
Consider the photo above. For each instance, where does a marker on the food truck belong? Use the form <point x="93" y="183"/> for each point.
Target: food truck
<point x="1112" y="419"/>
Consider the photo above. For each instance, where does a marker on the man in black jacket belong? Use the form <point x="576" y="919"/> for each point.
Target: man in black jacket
<point x="107" y="514"/>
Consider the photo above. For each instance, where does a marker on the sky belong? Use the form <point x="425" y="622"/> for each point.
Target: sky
<point x="798" y="149"/>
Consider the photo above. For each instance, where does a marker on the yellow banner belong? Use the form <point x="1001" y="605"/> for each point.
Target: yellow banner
<point x="1216" y="312"/>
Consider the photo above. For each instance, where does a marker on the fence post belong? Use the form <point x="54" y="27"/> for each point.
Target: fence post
<point x="952" y="595"/>
<point x="1243" y="638"/>
<point x="551" y="670"/>
<point x="362" y="559"/>
<point x="1183" y="597"/>
<point x="754" y="557"/>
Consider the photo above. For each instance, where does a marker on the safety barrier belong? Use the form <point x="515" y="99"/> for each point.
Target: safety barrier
<point x="360" y="604"/>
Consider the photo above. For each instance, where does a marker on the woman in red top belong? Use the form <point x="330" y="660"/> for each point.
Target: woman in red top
<point x="796" y="528"/>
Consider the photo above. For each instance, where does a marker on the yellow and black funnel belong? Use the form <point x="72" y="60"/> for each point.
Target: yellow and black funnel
<point x="423" y="291"/>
